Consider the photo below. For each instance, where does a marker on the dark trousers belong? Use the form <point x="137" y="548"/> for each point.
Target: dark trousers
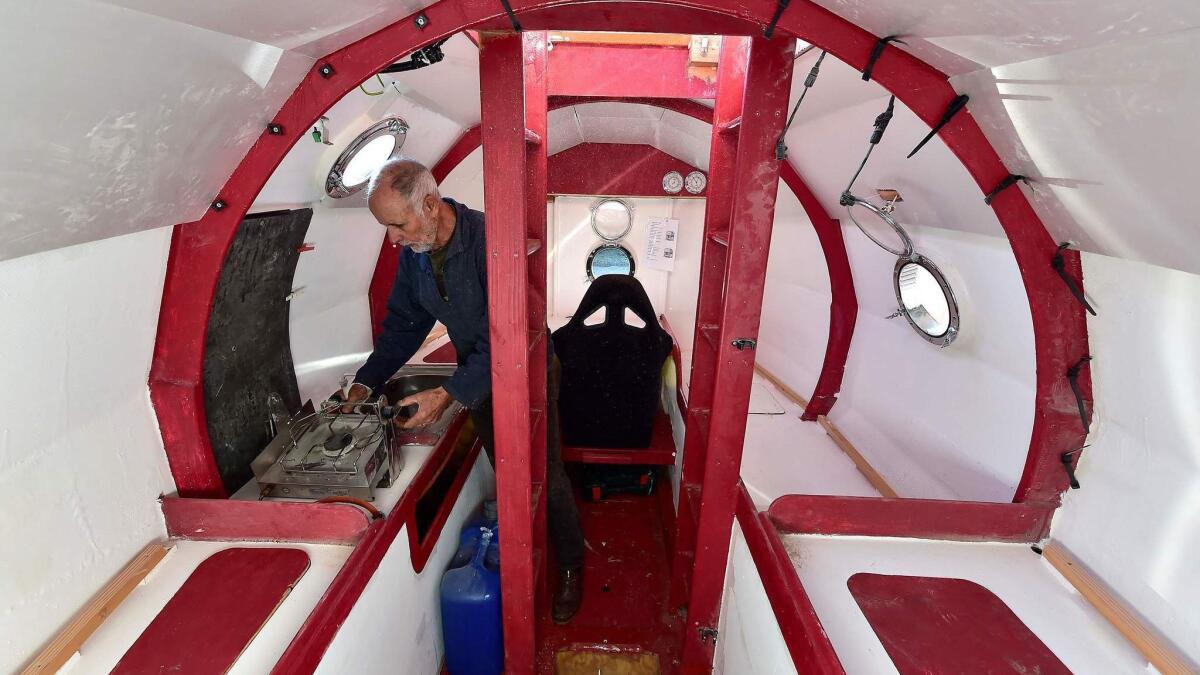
<point x="562" y="515"/>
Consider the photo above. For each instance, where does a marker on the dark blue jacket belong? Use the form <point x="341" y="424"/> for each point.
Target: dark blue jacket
<point x="415" y="304"/>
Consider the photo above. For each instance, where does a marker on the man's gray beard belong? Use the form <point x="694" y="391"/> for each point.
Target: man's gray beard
<point x="421" y="248"/>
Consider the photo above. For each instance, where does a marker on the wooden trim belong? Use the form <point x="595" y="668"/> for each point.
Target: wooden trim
<point x="1161" y="654"/>
<point x="640" y="39"/>
<point x="70" y="638"/>
<point x="864" y="467"/>
<point x="1026" y="522"/>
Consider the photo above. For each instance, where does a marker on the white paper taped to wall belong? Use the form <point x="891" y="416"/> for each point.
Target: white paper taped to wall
<point x="661" y="237"/>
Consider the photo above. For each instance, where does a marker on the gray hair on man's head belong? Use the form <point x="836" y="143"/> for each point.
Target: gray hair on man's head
<point x="411" y="179"/>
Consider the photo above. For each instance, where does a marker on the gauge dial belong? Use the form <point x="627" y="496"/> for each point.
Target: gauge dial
<point x="696" y="182"/>
<point x="672" y="182"/>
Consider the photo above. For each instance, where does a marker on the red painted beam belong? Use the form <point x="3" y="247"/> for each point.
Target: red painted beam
<point x="807" y="642"/>
<point x="239" y="520"/>
<point x="615" y="16"/>
<point x="843" y="306"/>
<point x="754" y="182"/>
<point x="1027" y="522"/>
<point x="505" y="173"/>
<point x="616" y="169"/>
<point x="581" y="69"/>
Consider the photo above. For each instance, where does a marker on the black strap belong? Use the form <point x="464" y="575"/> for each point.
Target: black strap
<point x="780" y="146"/>
<point x="1060" y="265"/>
<point x="419" y="59"/>
<point x="876" y="52"/>
<point x="955" y="106"/>
<point x="1004" y="185"/>
<point x="881" y="125"/>
<point x="1073" y="377"/>
<point x="1066" y="462"/>
<point x="511" y="16"/>
<point x="770" y="30"/>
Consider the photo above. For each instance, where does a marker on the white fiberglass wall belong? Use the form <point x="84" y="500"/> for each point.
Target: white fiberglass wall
<point x="81" y="459"/>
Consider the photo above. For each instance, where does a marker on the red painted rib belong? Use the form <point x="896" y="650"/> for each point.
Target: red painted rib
<point x="1027" y="522"/>
<point x="807" y="642"/>
<point x="617" y="169"/>
<point x="239" y="520"/>
<point x="843" y="306"/>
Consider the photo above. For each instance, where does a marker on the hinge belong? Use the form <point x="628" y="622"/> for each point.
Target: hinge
<point x="707" y="633"/>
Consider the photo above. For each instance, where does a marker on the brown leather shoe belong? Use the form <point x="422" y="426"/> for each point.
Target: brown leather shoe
<point x="568" y="595"/>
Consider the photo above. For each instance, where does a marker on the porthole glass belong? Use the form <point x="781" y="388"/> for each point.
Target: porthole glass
<point x="612" y="219"/>
<point x="609" y="259"/>
<point x="926" y="300"/>
<point x="880" y="228"/>
<point x="359" y="161"/>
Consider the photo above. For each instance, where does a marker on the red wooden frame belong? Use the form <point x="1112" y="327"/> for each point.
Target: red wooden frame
<point x="843" y="306"/>
<point x="753" y="184"/>
<point x="198" y="248"/>
<point x="807" y="642"/>
<point x="660" y="451"/>
<point x="1027" y="522"/>
<point x="242" y="520"/>
<point x="614" y="169"/>
<point x="505" y="186"/>
<point x="628" y="70"/>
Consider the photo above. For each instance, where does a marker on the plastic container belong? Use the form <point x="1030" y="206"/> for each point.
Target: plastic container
<point x="468" y="539"/>
<point x="471" y="620"/>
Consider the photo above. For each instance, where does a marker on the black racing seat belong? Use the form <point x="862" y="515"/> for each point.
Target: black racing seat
<point x="611" y="371"/>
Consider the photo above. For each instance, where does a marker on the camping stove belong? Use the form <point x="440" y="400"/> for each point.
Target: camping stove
<point x="329" y="452"/>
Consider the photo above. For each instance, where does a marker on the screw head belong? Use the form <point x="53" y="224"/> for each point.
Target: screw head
<point x="326" y="70"/>
<point x="422" y="21"/>
<point x="275" y="129"/>
<point x="218" y="205"/>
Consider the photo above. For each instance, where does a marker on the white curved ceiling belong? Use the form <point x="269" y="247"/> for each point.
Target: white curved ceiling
<point x="107" y="136"/>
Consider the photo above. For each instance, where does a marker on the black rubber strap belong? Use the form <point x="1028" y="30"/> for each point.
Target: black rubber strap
<point x="770" y="29"/>
<point x="1066" y="462"/>
<point x="1073" y="377"/>
<point x="780" y="146"/>
<point x="1060" y="265"/>
<point x="1004" y="185"/>
<point x="876" y="52"/>
<point x="953" y="109"/>
<point x="511" y="16"/>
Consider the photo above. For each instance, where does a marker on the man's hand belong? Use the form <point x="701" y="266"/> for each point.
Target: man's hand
<point x="431" y="403"/>
<point x="358" y="392"/>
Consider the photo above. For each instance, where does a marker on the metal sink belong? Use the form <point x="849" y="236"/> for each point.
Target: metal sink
<point x="413" y="379"/>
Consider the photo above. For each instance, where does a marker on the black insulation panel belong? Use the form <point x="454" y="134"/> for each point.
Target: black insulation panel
<point x="248" y="353"/>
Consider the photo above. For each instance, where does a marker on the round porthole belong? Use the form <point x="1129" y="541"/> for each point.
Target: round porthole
<point x="359" y="161"/>
<point x="612" y="219"/>
<point x="883" y="230"/>
<point x="926" y="300"/>
<point x="609" y="259"/>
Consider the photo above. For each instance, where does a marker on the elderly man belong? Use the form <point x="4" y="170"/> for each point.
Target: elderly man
<point x="442" y="276"/>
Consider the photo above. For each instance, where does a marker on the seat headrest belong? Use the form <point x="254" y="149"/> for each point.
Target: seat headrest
<point x="615" y="292"/>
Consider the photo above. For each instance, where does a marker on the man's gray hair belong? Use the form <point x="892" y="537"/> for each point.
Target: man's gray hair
<point x="408" y="177"/>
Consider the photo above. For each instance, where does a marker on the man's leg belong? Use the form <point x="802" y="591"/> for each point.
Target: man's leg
<point x="562" y="514"/>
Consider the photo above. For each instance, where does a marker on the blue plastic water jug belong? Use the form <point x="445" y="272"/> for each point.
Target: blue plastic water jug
<point x="468" y="539"/>
<point x="471" y="620"/>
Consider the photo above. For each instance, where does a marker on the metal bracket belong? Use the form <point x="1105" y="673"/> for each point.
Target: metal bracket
<point x="744" y="343"/>
<point x="707" y="633"/>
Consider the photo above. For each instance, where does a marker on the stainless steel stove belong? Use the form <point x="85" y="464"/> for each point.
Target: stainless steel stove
<point x="328" y="452"/>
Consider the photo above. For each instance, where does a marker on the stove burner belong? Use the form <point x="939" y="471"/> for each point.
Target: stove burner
<point x="335" y="445"/>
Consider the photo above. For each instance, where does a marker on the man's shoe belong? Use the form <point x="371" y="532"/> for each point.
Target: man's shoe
<point x="568" y="595"/>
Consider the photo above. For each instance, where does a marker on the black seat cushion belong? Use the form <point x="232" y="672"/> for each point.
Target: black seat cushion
<point x="611" y="371"/>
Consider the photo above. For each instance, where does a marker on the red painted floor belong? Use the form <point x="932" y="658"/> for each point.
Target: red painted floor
<point x="626" y="584"/>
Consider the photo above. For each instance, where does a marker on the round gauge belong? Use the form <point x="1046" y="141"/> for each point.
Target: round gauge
<point x="696" y="182"/>
<point x="672" y="182"/>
